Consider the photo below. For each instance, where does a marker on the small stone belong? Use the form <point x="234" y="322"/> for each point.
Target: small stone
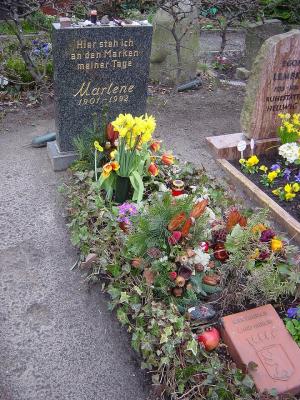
<point x="90" y="259"/>
<point x="104" y="20"/>
<point x="242" y="74"/>
<point x="202" y="312"/>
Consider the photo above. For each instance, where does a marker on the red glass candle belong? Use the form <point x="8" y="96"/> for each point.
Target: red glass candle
<point x="177" y="187"/>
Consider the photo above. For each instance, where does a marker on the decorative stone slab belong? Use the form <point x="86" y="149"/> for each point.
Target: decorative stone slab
<point x="225" y="146"/>
<point x="274" y="85"/>
<point x="289" y="223"/>
<point x="95" y="68"/>
<point x="259" y="336"/>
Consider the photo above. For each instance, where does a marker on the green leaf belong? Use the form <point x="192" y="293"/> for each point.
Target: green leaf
<point x="138" y="186"/>
<point x="114" y="270"/>
<point x="124" y="298"/>
<point x="192" y="346"/>
<point x="122" y="316"/>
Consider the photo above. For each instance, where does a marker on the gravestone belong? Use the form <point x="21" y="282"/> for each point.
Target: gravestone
<point x="258" y="338"/>
<point x="96" y="68"/>
<point x="164" y="62"/>
<point x="256" y="34"/>
<point x="273" y="87"/>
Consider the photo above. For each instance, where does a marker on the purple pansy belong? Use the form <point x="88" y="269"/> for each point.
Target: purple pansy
<point x="287" y="174"/>
<point x="293" y="312"/>
<point x="274" y="167"/>
<point x="297" y="177"/>
<point x="267" y="235"/>
<point x="126" y="210"/>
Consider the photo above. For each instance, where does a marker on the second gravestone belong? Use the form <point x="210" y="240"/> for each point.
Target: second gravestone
<point x="95" y="69"/>
<point x="274" y="86"/>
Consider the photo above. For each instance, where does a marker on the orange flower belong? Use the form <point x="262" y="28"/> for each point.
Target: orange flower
<point x="153" y="170"/>
<point x="107" y="168"/>
<point x="115" y="165"/>
<point x="167" y="159"/>
<point x="155" y="146"/>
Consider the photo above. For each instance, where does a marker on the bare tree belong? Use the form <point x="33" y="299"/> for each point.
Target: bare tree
<point x="230" y="13"/>
<point x="179" y="10"/>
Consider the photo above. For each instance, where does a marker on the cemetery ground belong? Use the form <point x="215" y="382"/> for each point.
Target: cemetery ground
<point x="60" y="340"/>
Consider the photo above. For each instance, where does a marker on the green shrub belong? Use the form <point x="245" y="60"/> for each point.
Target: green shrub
<point x="286" y="10"/>
<point x="17" y="69"/>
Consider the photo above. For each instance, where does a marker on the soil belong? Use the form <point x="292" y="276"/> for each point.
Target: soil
<point x="292" y="207"/>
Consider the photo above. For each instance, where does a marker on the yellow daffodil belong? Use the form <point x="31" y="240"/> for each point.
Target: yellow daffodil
<point x="113" y="154"/>
<point x="296" y="187"/>
<point x="106" y="170"/>
<point x="276" y="245"/>
<point x="272" y="175"/>
<point x="253" y="160"/>
<point x="296" y="119"/>
<point x="263" y="168"/>
<point x="97" y="146"/>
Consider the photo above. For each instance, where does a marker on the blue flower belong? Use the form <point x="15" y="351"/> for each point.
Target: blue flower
<point x="297" y="177"/>
<point x="293" y="312"/>
<point x="287" y="174"/>
<point x="274" y="167"/>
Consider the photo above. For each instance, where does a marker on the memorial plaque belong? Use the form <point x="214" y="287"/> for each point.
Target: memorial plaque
<point x="273" y="87"/>
<point x="95" y="68"/>
<point x="259" y="336"/>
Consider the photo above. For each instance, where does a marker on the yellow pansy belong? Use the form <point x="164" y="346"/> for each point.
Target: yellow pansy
<point x="288" y="188"/>
<point x="276" y="244"/>
<point x="263" y="168"/>
<point x="258" y="228"/>
<point x="272" y="175"/>
<point x="289" y="196"/>
<point x="242" y="161"/>
<point x="97" y="146"/>
<point x="276" y="191"/>
<point x="253" y="160"/>
<point x="296" y="187"/>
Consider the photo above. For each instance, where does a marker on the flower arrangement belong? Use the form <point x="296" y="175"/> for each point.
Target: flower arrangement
<point x="132" y="158"/>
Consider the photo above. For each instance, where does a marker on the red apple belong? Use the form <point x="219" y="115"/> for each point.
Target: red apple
<point x="209" y="339"/>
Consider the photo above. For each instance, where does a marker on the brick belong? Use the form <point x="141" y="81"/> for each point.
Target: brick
<point x="259" y="336"/>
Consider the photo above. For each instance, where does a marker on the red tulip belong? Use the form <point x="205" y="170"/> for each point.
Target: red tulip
<point x="155" y="146"/>
<point x="111" y="134"/>
<point x="209" y="339"/>
<point x="153" y="170"/>
<point x="167" y="159"/>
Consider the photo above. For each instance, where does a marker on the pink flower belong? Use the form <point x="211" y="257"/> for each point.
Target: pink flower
<point x="174" y="238"/>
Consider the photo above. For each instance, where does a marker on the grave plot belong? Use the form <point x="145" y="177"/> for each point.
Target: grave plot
<point x="267" y="153"/>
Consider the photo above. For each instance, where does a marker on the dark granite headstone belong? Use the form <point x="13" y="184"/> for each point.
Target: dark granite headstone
<point x="96" y="67"/>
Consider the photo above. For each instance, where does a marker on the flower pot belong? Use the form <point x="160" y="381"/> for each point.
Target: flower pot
<point x="123" y="186"/>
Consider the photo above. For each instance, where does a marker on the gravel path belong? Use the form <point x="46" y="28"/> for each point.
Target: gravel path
<point x="57" y="341"/>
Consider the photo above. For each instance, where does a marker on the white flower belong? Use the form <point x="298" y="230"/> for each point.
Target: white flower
<point x="163" y="259"/>
<point x="212" y="215"/>
<point x="289" y="151"/>
<point x="201" y="257"/>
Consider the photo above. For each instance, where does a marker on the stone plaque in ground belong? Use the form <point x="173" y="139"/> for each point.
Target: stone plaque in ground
<point x="273" y="87"/>
<point x="96" y="68"/>
<point x="258" y="336"/>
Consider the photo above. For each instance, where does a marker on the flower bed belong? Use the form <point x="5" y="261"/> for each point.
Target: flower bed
<point x="292" y="172"/>
<point x="174" y="263"/>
